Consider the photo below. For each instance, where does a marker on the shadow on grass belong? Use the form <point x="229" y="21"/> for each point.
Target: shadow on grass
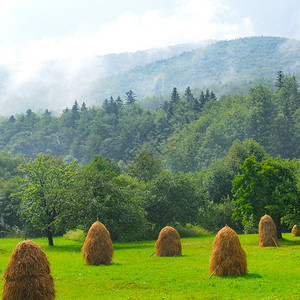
<point x="293" y="242"/>
<point x="133" y="246"/>
<point x="64" y="248"/>
<point x="245" y="276"/>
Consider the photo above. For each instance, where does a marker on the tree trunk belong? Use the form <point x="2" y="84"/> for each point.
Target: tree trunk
<point x="50" y="238"/>
<point x="278" y="226"/>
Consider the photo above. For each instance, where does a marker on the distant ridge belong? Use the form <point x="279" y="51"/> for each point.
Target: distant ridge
<point x="220" y="63"/>
<point x="57" y="84"/>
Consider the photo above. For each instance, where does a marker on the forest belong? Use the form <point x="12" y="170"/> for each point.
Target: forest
<point x="189" y="162"/>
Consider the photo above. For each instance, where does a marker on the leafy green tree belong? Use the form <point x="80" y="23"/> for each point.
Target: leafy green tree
<point x="9" y="203"/>
<point x="172" y="198"/>
<point x="118" y="202"/>
<point x="104" y="165"/>
<point x="145" y="166"/>
<point x="267" y="187"/>
<point x="46" y="193"/>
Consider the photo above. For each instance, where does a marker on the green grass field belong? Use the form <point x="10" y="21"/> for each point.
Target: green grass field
<point x="274" y="273"/>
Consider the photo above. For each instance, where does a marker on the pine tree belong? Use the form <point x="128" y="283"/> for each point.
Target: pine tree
<point x="279" y="80"/>
<point x="130" y="98"/>
<point x="188" y="95"/>
<point x="174" y="96"/>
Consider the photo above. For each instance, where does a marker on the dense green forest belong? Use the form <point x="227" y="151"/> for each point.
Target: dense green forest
<point x="138" y="169"/>
<point x="186" y="132"/>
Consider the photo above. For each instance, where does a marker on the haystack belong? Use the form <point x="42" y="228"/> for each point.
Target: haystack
<point x="27" y="275"/>
<point x="168" y="242"/>
<point x="98" y="248"/>
<point x="295" y="231"/>
<point x="228" y="257"/>
<point x="267" y="232"/>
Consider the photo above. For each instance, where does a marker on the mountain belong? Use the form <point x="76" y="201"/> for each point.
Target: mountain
<point x="57" y="84"/>
<point x="222" y="63"/>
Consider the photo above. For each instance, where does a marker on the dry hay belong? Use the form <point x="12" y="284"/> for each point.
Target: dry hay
<point x="295" y="231"/>
<point x="168" y="242"/>
<point x="27" y="275"/>
<point x="228" y="257"/>
<point x="98" y="248"/>
<point x="267" y="232"/>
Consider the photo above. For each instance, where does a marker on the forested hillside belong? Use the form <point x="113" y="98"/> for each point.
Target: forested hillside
<point x="187" y="132"/>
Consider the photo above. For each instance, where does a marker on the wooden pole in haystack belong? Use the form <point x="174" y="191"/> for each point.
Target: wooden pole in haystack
<point x="27" y="275"/>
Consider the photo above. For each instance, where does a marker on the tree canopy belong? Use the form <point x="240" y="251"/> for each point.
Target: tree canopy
<point x="267" y="187"/>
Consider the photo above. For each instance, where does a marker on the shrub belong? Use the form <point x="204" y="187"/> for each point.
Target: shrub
<point x="77" y="235"/>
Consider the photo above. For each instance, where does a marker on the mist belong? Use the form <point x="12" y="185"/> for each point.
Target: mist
<point x="56" y="84"/>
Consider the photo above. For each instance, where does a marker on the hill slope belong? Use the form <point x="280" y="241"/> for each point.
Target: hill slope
<point x="222" y="62"/>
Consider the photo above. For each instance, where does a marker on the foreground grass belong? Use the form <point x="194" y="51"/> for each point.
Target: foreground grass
<point x="274" y="273"/>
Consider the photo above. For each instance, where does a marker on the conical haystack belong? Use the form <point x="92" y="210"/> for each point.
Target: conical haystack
<point x="267" y="232"/>
<point x="98" y="247"/>
<point x="168" y="242"/>
<point x="228" y="257"/>
<point x="27" y="275"/>
<point x="295" y="231"/>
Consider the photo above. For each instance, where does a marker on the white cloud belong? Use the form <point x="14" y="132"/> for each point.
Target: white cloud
<point x="192" y="21"/>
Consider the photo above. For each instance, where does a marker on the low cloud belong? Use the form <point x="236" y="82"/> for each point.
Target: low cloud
<point x="191" y="21"/>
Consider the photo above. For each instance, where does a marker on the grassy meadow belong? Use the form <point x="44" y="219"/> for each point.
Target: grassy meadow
<point x="274" y="273"/>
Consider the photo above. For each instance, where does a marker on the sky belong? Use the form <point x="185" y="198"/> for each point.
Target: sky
<point x="50" y="29"/>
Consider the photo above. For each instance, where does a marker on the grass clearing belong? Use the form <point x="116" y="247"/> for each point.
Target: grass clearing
<point x="274" y="273"/>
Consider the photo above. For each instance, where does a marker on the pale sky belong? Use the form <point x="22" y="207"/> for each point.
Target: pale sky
<point x="50" y="29"/>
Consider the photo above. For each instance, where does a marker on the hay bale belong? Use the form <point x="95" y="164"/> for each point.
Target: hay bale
<point x="27" y="275"/>
<point x="228" y="257"/>
<point x="168" y="242"/>
<point x="98" y="248"/>
<point x="295" y="231"/>
<point x="267" y="232"/>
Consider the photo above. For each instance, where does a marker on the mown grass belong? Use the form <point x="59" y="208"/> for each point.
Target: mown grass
<point x="274" y="273"/>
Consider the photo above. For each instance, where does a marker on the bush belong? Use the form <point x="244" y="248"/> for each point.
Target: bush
<point x="190" y="230"/>
<point x="77" y="235"/>
<point x="213" y="216"/>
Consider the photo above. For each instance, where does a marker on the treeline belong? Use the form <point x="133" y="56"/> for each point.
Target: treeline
<point x="48" y="196"/>
<point x="186" y="132"/>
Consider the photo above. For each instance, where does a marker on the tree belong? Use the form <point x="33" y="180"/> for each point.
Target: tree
<point x="279" y="80"/>
<point x="172" y="198"/>
<point x="145" y="166"/>
<point x="267" y="187"/>
<point x="104" y="165"/>
<point x="188" y="95"/>
<point x="262" y="115"/>
<point x="116" y="201"/>
<point x="174" y="96"/>
<point x="46" y="193"/>
<point x="130" y="97"/>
